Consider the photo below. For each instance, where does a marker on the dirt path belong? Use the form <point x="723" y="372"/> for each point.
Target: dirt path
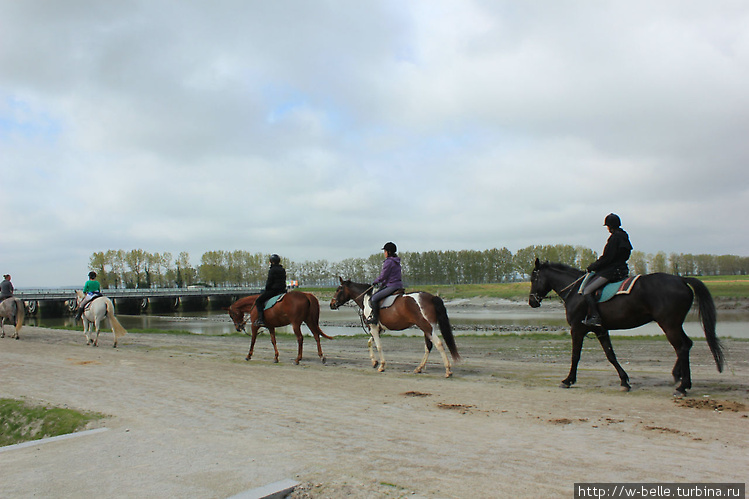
<point x="191" y="418"/>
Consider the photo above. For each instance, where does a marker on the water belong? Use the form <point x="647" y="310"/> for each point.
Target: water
<point x="345" y="322"/>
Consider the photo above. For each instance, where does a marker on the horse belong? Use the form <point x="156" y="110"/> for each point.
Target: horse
<point x="7" y="312"/>
<point x="95" y="312"/>
<point x="295" y="308"/>
<point x="419" y="309"/>
<point x="663" y="298"/>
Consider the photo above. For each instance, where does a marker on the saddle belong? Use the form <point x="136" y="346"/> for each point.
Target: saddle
<point x="613" y="289"/>
<point x="273" y="300"/>
<point x="390" y="299"/>
<point x="94" y="296"/>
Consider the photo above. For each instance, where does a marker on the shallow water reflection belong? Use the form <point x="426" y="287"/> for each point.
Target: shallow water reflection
<point x="345" y="321"/>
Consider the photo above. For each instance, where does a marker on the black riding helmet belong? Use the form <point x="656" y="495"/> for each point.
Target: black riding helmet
<point x="612" y="220"/>
<point x="275" y="259"/>
<point x="92" y="275"/>
<point x="390" y="248"/>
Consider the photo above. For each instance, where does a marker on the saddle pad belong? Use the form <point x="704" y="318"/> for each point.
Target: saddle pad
<point x="273" y="300"/>
<point x="617" y="288"/>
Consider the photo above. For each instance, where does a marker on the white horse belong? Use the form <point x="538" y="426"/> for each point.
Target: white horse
<point x="7" y="312"/>
<point x="95" y="312"/>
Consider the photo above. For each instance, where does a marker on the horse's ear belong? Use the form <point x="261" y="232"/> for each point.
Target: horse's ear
<point x="340" y="279"/>
<point x="538" y="263"/>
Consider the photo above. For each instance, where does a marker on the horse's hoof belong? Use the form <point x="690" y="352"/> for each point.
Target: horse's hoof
<point x="374" y="365"/>
<point x="324" y="360"/>
<point x="275" y="361"/>
<point x="625" y="388"/>
<point x="296" y="362"/>
<point x="246" y="358"/>
<point x="417" y="370"/>
<point x="564" y="385"/>
<point x="679" y="394"/>
<point x="448" y="374"/>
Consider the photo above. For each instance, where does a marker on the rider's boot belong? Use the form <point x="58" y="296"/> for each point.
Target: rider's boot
<point x="374" y="318"/>
<point x="78" y="314"/>
<point x="594" y="316"/>
<point x="260" y="321"/>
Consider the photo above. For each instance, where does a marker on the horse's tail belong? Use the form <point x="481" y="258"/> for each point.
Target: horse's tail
<point x="314" y="315"/>
<point x="708" y="317"/>
<point x="445" y="327"/>
<point x="116" y="326"/>
<point x="20" y="314"/>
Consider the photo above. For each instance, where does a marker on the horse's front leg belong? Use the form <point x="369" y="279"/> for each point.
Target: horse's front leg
<point x="2" y="327"/>
<point x="371" y="351"/>
<point x="605" y="340"/>
<point x="272" y="332"/>
<point x="578" y="335"/>
<point x="300" y="341"/>
<point x="375" y="330"/>
<point x="253" y="337"/>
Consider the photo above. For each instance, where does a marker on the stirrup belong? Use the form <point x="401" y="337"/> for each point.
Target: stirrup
<point x="372" y="320"/>
<point x="594" y="321"/>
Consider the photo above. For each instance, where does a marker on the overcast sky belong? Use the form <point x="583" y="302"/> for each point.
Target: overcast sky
<point x="322" y="129"/>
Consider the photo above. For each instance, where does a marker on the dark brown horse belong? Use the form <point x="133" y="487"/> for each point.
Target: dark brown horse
<point x="418" y="309"/>
<point x="295" y="308"/>
<point x="663" y="298"/>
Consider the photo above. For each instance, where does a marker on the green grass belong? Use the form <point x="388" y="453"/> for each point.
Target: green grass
<point x="22" y="422"/>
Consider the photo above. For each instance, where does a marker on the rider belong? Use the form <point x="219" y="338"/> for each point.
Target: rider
<point x="6" y="291"/>
<point x="391" y="279"/>
<point x="91" y="289"/>
<point x="610" y="266"/>
<point x="6" y="287"/>
<point x="275" y="285"/>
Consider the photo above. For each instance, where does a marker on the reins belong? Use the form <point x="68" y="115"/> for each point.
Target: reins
<point x="569" y="287"/>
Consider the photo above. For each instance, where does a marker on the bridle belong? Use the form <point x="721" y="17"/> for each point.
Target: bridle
<point x="566" y="290"/>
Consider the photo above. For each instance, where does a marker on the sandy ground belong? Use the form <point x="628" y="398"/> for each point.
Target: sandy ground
<point x="189" y="417"/>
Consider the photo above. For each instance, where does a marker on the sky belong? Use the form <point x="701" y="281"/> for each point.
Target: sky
<point x="321" y="130"/>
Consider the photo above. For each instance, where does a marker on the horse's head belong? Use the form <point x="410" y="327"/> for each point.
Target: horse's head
<point x="540" y="286"/>
<point x="237" y="316"/>
<point x="78" y="297"/>
<point x="342" y="294"/>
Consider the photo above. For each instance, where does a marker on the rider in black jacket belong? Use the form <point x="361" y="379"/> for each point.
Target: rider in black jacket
<point x="275" y="285"/>
<point x="610" y="266"/>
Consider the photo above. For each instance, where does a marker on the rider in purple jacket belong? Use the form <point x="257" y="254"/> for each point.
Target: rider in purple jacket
<point x="390" y="278"/>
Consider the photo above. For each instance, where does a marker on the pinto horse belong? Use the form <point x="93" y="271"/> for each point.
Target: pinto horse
<point x="663" y="298"/>
<point x="419" y="309"/>
<point x="295" y="308"/>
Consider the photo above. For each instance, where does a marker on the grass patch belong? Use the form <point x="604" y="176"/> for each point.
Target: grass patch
<point x="22" y="422"/>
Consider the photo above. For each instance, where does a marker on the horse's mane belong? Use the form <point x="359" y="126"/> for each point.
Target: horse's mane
<point x="562" y="267"/>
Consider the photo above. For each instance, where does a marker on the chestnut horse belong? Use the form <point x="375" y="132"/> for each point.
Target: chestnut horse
<point x="663" y="298"/>
<point x="295" y="308"/>
<point x="419" y="309"/>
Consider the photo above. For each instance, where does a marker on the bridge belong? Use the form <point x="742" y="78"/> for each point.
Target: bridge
<point x="54" y="302"/>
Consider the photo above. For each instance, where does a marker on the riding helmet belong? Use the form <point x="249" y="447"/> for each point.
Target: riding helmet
<point x="390" y="248"/>
<point x="612" y="220"/>
<point x="92" y="275"/>
<point x="275" y="259"/>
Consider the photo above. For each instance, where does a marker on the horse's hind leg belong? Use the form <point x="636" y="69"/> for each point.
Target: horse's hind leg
<point x="605" y="340"/>
<point x="682" y="345"/>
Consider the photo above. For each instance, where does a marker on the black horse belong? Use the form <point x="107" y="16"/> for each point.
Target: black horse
<point x="663" y="298"/>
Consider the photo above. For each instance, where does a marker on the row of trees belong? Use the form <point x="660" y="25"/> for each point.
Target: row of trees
<point x="141" y="269"/>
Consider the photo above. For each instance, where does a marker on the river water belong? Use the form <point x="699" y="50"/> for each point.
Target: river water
<point x="509" y="319"/>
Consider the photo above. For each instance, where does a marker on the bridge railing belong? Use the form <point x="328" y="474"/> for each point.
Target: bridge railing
<point x="66" y="294"/>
